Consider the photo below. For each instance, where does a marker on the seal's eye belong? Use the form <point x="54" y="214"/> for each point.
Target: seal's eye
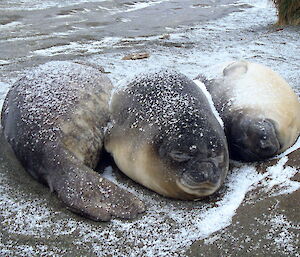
<point x="180" y="156"/>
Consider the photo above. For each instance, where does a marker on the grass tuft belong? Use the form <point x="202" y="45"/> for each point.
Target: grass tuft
<point x="288" y="12"/>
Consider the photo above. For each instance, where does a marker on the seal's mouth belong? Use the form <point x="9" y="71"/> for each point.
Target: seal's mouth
<point x="201" y="190"/>
<point x="203" y="181"/>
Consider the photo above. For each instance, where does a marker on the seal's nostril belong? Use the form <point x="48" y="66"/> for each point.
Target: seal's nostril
<point x="204" y="172"/>
<point x="263" y="144"/>
<point x="267" y="146"/>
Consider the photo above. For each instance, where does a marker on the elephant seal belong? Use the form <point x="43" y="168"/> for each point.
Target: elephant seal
<point x="165" y="136"/>
<point x="261" y="113"/>
<point x="55" y="118"/>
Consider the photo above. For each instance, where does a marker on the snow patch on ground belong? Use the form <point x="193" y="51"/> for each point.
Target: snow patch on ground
<point x="293" y="148"/>
<point x="285" y="239"/>
<point x="278" y="178"/>
<point x="36" y="4"/>
<point x="142" y="5"/>
<point x="94" y="47"/>
<point x="217" y="218"/>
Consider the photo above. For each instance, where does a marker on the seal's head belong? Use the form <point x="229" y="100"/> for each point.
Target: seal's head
<point x="195" y="158"/>
<point x="253" y="138"/>
<point x="166" y="137"/>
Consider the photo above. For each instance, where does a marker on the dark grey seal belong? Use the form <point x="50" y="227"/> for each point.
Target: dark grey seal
<point x="164" y="135"/>
<point x="260" y="111"/>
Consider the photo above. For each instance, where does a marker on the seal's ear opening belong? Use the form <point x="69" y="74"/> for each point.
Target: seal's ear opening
<point x="253" y="139"/>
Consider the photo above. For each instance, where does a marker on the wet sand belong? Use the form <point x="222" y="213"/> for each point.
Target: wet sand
<point x="28" y="35"/>
<point x="262" y="226"/>
<point x="255" y="214"/>
<point x="35" y="223"/>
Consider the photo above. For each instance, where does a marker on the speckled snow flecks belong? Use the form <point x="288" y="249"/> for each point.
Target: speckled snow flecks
<point x="169" y="101"/>
<point x="164" y="230"/>
<point x="161" y="103"/>
<point x="249" y="35"/>
<point x="285" y="239"/>
<point x="46" y="94"/>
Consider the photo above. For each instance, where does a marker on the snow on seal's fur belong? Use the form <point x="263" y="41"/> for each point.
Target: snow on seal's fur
<point x="153" y="233"/>
<point x="209" y="98"/>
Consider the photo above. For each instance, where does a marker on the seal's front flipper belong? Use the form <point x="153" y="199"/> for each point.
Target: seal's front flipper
<point x="87" y="193"/>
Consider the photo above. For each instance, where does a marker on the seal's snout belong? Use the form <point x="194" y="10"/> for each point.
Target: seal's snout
<point x="255" y="139"/>
<point x="201" y="181"/>
<point x="264" y="134"/>
<point x="268" y="146"/>
<point x="206" y="171"/>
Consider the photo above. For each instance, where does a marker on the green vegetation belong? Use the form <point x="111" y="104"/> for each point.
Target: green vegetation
<point x="288" y="12"/>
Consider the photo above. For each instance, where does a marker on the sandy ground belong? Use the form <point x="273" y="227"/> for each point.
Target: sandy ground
<point x="257" y="211"/>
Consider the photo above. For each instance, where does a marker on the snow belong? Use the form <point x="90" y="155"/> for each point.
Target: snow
<point x="239" y="183"/>
<point x="50" y="104"/>
<point x="36" y="4"/>
<point x="168" y="228"/>
<point x="94" y="47"/>
<point x="141" y="5"/>
<point x="283" y="240"/>
<point x="293" y="148"/>
<point x="278" y="177"/>
<point x="168" y="102"/>
<point x="209" y="98"/>
<point x="151" y="230"/>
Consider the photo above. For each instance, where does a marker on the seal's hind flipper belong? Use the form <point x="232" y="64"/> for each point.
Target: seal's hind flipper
<point x="87" y="193"/>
